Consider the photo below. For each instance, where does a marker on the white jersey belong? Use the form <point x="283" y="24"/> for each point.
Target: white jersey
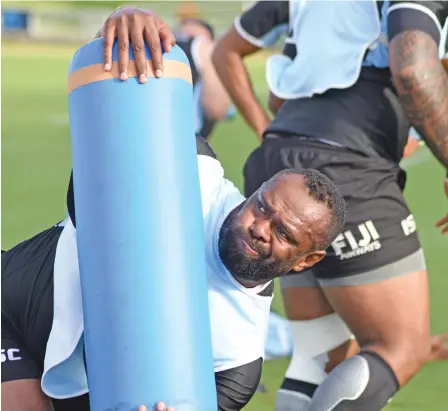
<point x="239" y="316"/>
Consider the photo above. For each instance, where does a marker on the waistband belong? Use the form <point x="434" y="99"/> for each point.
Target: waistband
<point x="303" y="138"/>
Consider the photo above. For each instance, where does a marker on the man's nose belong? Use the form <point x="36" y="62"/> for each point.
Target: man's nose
<point x="261" y="230"/>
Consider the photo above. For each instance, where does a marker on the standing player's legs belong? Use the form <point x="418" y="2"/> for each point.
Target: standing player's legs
<point x="375" y="279"/>
<point x="321" y="339"/>
<point x="391" y="321"/>
<point x="378" y="248"/>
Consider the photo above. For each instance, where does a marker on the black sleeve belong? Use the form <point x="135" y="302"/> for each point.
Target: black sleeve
<point x="235" y="387"/>
<point x="426" y="16"/>
<point x="202" y="148"/>
<point x="186" y="44"/>
<point x="264" y="23"/>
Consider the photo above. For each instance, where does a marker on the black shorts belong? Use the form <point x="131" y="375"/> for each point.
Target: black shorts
<point x="380" y="239"/>
<point x="27" y="318"/>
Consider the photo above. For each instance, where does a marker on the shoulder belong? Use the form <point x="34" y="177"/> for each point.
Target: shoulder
<point x="215" y="188"/>
<point x="426" y="16"/>
<point x="264" y="22"/>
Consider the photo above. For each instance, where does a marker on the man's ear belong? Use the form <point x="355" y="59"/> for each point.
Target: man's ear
<point x="308" y="260"/>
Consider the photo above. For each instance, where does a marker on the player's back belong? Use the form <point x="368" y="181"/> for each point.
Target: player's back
<point x="341" y="90"/>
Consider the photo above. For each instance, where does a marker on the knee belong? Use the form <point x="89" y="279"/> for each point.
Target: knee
<point x="407" y="353"/>
<point x="417" y="348"/>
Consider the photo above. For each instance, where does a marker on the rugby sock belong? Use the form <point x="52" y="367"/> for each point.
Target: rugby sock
<point x="294" y="395"/>
<point x="313" y="339"/>
<point x="364" y="382"/>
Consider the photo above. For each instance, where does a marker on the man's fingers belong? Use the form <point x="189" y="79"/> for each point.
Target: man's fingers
<point x="439" y="347"/>
<point x="160" y="406"/>
<point x="142" y="408"/>
<point x="109" y="38"/>
<point x="123" y="48"/>
<point x="153" y="40"/>
<point x="167" y="38"/>
<point x="138" y="46"/>
<point x="442" y="221"/>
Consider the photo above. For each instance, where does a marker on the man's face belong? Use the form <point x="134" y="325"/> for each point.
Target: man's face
<point x="273" y="231"/>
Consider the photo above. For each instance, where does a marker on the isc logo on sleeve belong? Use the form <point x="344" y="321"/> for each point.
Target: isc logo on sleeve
<point x="11" y="354"/>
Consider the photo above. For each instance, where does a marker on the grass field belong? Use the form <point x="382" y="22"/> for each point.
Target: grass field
<point x="36" y="164"/>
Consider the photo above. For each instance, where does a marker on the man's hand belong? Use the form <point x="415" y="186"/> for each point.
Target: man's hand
<point x="136" y="25"/>
<point x="443" y="222"/>
<point x="445" y="186"/>
<point x="160" y="406"/>
<point x="274" y="103"/>
<point x="439" y="347"/>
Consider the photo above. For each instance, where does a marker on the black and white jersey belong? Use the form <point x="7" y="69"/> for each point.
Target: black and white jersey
<point x="359" y="109"/>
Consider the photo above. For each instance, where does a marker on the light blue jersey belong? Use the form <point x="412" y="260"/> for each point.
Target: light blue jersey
<point x="329" y="41"/>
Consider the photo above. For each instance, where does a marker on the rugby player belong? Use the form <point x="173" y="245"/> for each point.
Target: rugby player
<point x="286" y="225"/>
<point x="212" y="104"/>
<point x="347" y="110"/>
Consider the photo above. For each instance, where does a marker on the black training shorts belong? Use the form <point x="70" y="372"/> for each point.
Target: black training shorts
<point x="380" y="238"/>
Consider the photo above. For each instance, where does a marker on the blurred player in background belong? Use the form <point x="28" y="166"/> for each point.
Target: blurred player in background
<point x="339" y="112"/>
<point x="212" y="104"/>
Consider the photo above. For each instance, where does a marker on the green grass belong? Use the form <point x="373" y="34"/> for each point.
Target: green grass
<point x="36" y="164"/>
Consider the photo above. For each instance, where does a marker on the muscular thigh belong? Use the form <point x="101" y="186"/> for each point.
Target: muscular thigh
<point x="390" y="317"/>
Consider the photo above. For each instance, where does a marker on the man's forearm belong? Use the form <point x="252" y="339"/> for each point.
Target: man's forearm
<point x="230" y="68"/>
<point x="422" y="87"/>
<point x="214" y="98"/>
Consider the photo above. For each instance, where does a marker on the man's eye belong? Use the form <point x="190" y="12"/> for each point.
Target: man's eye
<point x="282" y="232"/>
<point x="261" y="206"/>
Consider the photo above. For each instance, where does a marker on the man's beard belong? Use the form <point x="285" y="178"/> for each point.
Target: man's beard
<point x="242" y="265"/>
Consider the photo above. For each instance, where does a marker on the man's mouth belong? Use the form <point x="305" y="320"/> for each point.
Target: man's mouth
<point x="248" y="249"/>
